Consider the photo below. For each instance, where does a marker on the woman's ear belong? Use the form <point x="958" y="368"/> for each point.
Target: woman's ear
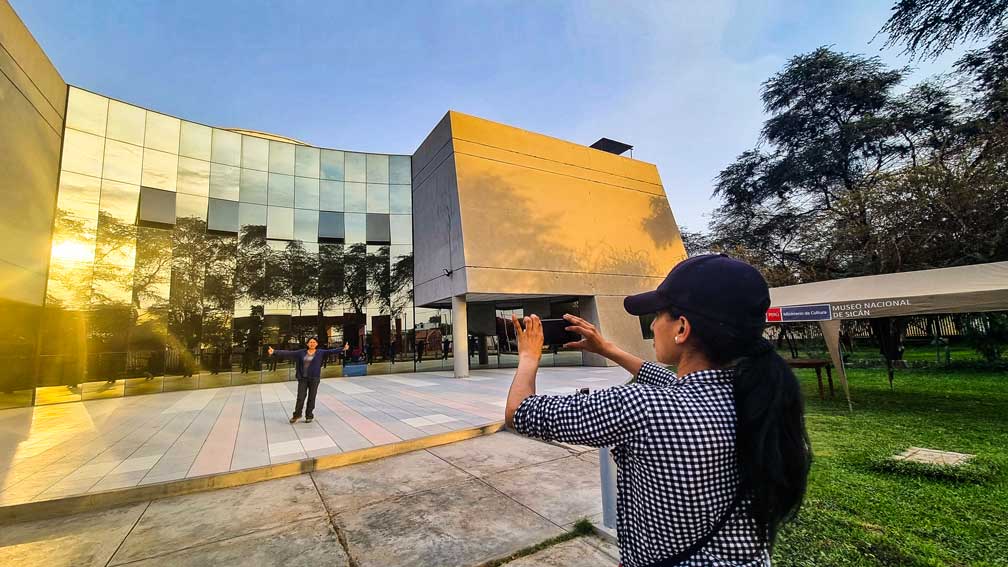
<point x="684" y="329"/>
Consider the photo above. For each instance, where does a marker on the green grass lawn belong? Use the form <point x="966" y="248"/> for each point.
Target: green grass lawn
<point x="857" y="514"/>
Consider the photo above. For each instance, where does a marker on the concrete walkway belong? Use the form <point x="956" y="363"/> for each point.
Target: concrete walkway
<point x="63" y="450"/>
<point x="456" y="505"/>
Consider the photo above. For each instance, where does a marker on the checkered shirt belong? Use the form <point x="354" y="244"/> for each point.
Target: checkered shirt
<point x="673" y="441"/>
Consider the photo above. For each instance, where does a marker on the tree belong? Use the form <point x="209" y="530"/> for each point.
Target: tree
<point x="928" y="28"/>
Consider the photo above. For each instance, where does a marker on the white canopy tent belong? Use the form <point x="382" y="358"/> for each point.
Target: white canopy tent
<point x="965" y="289"/>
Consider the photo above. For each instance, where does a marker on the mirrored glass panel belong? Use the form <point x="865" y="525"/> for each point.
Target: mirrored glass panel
<point x="281" y="157"/>
<point x="355" y="225"/>
<point x="332" y="165"/>
<point x="401" y="229"/>
<point x="250" y="214"/>
<point x="123" y="162"/>
<point x="195" y="140"/>
<point x="224" y="181"/>
<point x="119" y="202"/>
<point x="377" y="229"/>
<point x="162" y="132"/>
<point x="306" y="161"/>
<point x="83" y="152"/>
<point x="194" y="176"/>
<point x="222" y="216"/>
<point x="255" y="153"/>
<point x="225" y="147"/>
<point x="355" y="197"/>
<point x="377" y="198"/>
<point x="86" y="111"/>
<point x="377" y="168"/>
<point x="191" y="207"/>
<point x="281" y="190"/>
<point x="356" y="168"/>
<point x="280" y="223"/>
<point x="78" y="196"/>
<point x="331" y="227"/>
<point x="160" y="169"/>
<point x="253" y="186"/>
<point x="400" y="199"/>
<point x="330" y="195"/>
<point x="399" y="170"/>
<point x="306" y="224"/>
<point x="126" y="123"/>
<point x="306" y="193"/>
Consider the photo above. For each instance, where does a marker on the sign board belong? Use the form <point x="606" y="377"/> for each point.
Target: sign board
<point x="794" y="314"/>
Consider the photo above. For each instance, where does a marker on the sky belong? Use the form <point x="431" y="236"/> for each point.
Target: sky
<point x="680" y="81"/>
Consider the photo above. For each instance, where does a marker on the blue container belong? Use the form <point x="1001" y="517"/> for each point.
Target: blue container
<point x="355" y="370"/>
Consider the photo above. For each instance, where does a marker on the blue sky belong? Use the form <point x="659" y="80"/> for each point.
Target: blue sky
<point x="678" y="80"/>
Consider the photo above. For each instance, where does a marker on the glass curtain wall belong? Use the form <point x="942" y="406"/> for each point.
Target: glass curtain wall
<point x="181" y="252"/>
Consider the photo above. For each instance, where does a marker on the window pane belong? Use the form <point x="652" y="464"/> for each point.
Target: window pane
<point x="401" y="229"/>
<point x="224" y="181"/>
<point x="281" y="190"/>
<point x="332" y="165"/>
<point x="306" y="161"/>
<point x="377" y="229"/>
<point x="306" y="193"/>
<point x="399" y="170"/>
<point x="280" y="223"/>
<point x="253" y="186"/>
<point x="355" y="167"/>
<point x="194" y="176"/>
<point x="356" y="228"/>
<point x="82" y="153"/>
<point x="157" y="208"/>
<point x="86" y="111"/>
<point x="78" y="196"/>
<point x="162" y="132"/>
<point x="377" y="198"/>
<point x="195" y="141"/>
<point x="222" y="216"/>
<point x="377" y="168"/>
<point x="330" y="227"/>
<point x="255" y="153"/>
<point x="126" y="122"/>
<point x="400" y="199"/>
<point x="119" y="202"/>
<point x="306" y="225"/>
<point x="355" y="195"/>
<point x="160" y="169"/>
<point x="281" y="158"/>
<point x="190" y="207"/>
<point x="331" y="195"/>
<point x="123" y="162"/>
<point x="226" y="147"/>
<point x="250" y="214"/>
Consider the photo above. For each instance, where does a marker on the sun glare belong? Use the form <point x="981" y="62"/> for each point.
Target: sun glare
<point x="73" y="251"/>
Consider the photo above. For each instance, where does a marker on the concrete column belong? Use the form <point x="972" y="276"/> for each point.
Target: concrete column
<point x="484" y="358"/>
<point x="460" y="333"/>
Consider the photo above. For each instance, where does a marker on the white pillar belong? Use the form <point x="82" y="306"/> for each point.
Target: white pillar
<point x="831" y="332"/>
<point x="460" y="336"/>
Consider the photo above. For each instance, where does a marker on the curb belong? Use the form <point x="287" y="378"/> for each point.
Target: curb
<point x="70" y="505"/>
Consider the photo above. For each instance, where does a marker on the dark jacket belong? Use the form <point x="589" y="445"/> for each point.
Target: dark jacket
<point x="314" y="368"/>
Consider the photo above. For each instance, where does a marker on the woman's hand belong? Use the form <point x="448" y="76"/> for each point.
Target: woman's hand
<point x="271" y="351"/>
<point x="530" y="340"/>
<point x="591" y="338"/>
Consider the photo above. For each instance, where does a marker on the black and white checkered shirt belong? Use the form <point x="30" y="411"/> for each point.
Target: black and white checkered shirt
<point x="673" y="442"/>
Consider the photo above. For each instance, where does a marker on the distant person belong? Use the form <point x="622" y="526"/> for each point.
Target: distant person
<point x="308" y="370"/>
<point x="712" y="460"/>
<point x="420" y="344"/>
<point x="445" y="346"/>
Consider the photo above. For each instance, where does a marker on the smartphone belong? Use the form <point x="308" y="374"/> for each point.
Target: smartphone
<point x="555" y="332"/>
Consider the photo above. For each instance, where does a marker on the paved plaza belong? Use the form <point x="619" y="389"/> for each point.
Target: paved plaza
<point x="62" y="450"/>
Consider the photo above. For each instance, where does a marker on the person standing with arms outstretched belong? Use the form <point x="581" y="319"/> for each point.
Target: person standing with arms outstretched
<point x="308" y="370"/>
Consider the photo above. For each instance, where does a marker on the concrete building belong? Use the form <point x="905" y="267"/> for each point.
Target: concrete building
<point x="143" y="252"/>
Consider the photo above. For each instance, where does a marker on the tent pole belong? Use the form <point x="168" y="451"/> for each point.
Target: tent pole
<point x="831" y="332"/>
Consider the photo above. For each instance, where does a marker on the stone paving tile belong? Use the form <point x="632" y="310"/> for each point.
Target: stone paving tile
<point x="460" y="524"/>
<point x="356" y="486"/>
<point x="308" y="542"/>
<point x="197" y="519"/>
<point x="585" y="551"/>
<point x="563" y="491"/>
<point x="79" y="541"/>
<point x="503" y="451"/>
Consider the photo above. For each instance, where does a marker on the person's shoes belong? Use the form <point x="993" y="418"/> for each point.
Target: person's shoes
<point x="295" y="418"/>
<point x="308" y="419"/>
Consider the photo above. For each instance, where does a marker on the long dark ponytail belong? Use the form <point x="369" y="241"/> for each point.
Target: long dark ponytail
<point x="773" y="448"/>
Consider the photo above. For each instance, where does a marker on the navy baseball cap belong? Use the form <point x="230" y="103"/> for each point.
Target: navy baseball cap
<point x="714" y="286"/>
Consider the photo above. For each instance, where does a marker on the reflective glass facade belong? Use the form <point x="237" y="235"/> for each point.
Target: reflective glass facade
<point x="181" y="251"/>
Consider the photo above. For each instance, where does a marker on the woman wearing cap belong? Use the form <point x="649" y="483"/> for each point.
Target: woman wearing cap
<point x="308" y="370"/>
<point x="712" y="460"/>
